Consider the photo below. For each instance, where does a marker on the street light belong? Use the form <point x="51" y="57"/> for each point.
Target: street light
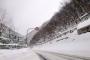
<point x="27" y="43"/>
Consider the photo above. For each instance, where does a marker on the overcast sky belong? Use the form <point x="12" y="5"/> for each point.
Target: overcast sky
<point x="30" y="13"/>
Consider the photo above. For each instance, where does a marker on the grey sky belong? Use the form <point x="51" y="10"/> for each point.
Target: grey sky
<point x="30" y="13"/>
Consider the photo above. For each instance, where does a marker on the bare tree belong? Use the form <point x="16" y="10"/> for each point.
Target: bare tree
<point x="5" y="18"/>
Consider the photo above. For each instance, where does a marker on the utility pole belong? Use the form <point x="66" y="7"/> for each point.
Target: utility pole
<point x="26" y="40"/>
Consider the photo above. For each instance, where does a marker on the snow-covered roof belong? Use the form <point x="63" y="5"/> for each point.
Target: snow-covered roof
<point x="83" y="24"/>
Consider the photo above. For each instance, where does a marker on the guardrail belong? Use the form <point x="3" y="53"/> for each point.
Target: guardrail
<point x="11" y="46"/>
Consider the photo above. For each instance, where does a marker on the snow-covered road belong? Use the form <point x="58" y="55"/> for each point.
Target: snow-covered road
<point x="18" y="54"/>
<point x="46" y="55"/>
<point x="28" y="54"/>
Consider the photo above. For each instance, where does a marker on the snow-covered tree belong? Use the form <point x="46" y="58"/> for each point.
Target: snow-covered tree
<point x="5" y="18"/>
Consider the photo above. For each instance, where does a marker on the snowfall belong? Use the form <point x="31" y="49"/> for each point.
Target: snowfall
<point x="75" y="44"/>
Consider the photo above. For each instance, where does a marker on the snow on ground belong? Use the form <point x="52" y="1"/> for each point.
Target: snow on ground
<point x="75" y="45"/>
<point x="18" y="54"/>
<point x="83" y="24"/>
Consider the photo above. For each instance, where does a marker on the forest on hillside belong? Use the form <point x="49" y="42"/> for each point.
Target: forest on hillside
<point x="65" y="18"/>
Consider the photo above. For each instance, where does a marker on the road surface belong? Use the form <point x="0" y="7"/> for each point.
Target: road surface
<point x="18" y="54"/>
<point x="44" y="55"/>
<point x="29" y="54"/>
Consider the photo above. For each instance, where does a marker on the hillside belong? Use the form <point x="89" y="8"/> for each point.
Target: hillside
<point x="69" y="16"/>
<point x="71" y="43"/>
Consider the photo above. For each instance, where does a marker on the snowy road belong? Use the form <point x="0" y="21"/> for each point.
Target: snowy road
<point x="18" y="54"/>
<point x="28" y="54"/>
<point x="57" y="56"/>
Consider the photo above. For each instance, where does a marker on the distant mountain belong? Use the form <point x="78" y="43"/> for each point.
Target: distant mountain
<point x="31" y="35"/>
